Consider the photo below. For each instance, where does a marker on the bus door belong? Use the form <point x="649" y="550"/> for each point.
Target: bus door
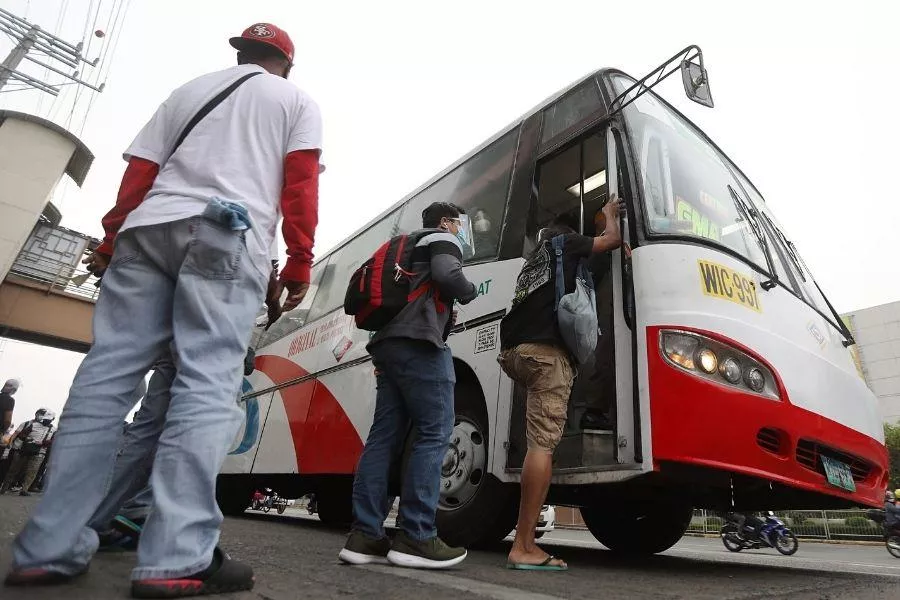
<point x="571" y="186"/>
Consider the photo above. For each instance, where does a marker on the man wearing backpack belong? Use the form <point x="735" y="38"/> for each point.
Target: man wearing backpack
<point x="534" y="354"/>
<point x="208" y="177"/>
<point x="415" y="380"/>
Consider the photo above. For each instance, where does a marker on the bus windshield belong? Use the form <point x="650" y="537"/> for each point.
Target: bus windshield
<point x="688" y="187"/>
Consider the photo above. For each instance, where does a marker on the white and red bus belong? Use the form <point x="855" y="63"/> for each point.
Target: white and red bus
<point x="735" y="387"/>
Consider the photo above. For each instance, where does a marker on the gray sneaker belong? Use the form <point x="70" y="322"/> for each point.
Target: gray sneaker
<point x="360" y="549"/>
<point x="426" y="554"/>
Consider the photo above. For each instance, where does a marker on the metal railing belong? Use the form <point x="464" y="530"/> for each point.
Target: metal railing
<point x="812" y="524"/>
<point x="54" y="276"/>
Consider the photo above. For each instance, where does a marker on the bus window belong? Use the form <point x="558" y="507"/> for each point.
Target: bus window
<point x="558" y="194"/>
<point x="571" y="188"/>
<point x="345" y="260"/>
<point x="571" y="109"/>
<point x="678" y="163"/>
<point x="297" y="318"/>
<point x="480" y="186"/>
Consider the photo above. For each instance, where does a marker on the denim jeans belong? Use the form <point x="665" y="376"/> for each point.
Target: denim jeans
<point x="130" y="483"/>
<point x="187" y="283"/>
<point x="415" y="383"/>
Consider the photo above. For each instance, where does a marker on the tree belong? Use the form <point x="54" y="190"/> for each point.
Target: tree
<point x="892" y="441"/>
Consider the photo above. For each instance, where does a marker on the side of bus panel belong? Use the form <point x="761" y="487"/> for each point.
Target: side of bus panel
<point x="318" y="426"/>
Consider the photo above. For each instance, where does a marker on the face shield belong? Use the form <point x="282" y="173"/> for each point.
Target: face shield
<point x="464" y="234"/>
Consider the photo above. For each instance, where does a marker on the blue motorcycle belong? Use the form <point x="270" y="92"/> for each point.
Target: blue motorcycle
<point x="741" y="533"/>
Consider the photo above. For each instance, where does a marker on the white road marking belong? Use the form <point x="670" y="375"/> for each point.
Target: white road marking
<point x="797" y="562"/>
<point x="472" y="586"/>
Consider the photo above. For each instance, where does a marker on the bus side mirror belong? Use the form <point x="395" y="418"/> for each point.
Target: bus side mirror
<point x="696" y="83"/>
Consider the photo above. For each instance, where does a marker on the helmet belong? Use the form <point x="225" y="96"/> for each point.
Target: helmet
<point x="897" y="493"/>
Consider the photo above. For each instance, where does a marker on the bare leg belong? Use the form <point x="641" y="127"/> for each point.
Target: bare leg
<point x="536" y="473"/>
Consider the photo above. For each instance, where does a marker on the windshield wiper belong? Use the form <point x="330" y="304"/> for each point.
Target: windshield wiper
<point x="837" y="322"/>
<point x="789" y="246"/>
<point x="749" y="215"/>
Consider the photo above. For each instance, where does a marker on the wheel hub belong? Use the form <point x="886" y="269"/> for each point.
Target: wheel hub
<point x="463" y="467"/>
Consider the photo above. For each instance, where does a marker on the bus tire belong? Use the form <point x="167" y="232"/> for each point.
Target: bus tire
<point x="639" y="528"/>
<point x="475" y="508"/>
<point x="234" y="494"/>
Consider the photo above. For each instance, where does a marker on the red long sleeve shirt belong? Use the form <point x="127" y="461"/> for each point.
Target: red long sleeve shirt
<point x="136" y="182"/>
<point x="300" y="208"/>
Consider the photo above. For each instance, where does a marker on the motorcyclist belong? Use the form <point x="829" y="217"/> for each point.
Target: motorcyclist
<point x="891" y="513"/>
<point x="749" y="524"/>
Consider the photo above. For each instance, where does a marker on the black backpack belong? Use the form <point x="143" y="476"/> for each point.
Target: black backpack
<point x="380" y="288"/>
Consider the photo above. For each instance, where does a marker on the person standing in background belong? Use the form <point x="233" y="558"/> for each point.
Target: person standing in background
<point x="7" y="403"/>
<point x="208" y="178"/>
<point x="34" y="437"/>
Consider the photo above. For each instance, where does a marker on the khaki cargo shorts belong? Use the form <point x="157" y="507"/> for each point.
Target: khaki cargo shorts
<point x="547" y="374"/>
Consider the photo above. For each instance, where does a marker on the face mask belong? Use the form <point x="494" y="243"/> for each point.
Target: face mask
<point x="464" y="235"/>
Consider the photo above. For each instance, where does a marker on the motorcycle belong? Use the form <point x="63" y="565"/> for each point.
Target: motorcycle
<point x="773" y="534"/>
<point x="891" y="536"/>
<point x="262" y="501"/>
<point x="280" y="504"/>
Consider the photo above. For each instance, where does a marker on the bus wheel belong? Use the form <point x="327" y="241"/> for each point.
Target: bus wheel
<point x="475" y="508"/>
<point x="640" y="528"/>
<point x="234" y="494"/>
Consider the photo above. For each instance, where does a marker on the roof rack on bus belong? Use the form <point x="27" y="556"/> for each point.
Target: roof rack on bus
<point x="693" y="76"/>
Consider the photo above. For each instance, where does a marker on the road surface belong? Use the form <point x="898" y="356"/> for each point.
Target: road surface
<point x="296" y="558"/>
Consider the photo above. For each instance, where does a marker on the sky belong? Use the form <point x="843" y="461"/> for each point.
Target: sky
<point x="805" y="98"/>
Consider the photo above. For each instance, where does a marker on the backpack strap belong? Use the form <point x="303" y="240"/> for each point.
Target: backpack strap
<point x="209" y="106"/>
<point x="557" y="244"/>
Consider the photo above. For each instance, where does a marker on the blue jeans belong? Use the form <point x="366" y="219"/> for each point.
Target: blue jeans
<point x="188" y="283"/>
<point x="130" y="483"/>
<point x="415" y="383"/>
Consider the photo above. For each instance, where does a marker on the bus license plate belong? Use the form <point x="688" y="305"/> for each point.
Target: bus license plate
<point x="719" y="281"/>
<point x="838" y="474"/>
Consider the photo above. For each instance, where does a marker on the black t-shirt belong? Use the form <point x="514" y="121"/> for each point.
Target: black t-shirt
<point x="7" y="402"/>
<point x="532" y="317"/>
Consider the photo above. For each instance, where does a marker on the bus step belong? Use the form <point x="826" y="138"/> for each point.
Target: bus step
<point x="590" y="448"/>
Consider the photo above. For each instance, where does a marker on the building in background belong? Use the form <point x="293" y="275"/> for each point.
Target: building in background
<point x="877" y="334"/>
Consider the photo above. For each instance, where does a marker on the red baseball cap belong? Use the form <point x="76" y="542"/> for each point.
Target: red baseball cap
<point x="265" y="33"/>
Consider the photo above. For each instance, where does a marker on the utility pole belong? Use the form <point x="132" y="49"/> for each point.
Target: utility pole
<point x="30" y="37"/>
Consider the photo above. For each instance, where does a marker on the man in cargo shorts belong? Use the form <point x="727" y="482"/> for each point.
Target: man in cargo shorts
<point x="534" y="355"/>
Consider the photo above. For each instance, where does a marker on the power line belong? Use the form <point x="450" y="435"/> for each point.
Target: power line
<point x="109" y="53"/>
<point x="86" y="40"/>
<point x="56" y="31"/>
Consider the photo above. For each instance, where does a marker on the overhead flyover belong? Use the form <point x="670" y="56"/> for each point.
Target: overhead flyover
<point x="39" y="302"/>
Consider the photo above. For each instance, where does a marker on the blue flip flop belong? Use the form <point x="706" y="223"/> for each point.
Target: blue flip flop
<point x="544" y="566"/>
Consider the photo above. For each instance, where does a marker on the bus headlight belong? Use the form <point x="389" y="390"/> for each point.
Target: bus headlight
<point x="717" y="362"/>
<point x="680" y="349"/>
<point x="708" y="361"/>
<point x="755" y="380"/>
<point x="731" y="370"/>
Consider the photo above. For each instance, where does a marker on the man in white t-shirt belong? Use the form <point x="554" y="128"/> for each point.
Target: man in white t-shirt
<point x="194" y="220"/>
